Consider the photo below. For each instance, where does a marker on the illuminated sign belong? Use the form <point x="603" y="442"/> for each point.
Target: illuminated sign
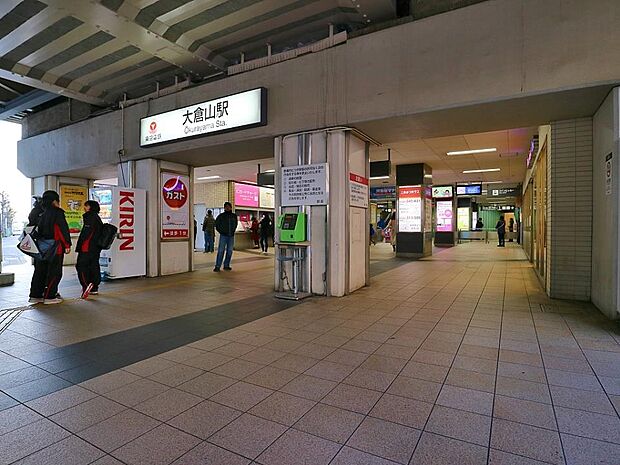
<point x="442" y="192"/>
<point x="237" y="111"/>
<point x="410" y="209"/>
<point x="444" y="216"/>
<point x="380" y="193"/>
<point x="174" y="206"/>
<point x="246" y="195"/>
<point x="473" y="189"/>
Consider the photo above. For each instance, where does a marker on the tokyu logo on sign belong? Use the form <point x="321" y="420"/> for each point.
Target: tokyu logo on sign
<point x="238" y="111"/>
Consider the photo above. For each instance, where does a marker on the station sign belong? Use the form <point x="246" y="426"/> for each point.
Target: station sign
<point x="383" y="193"/>
<point x="233" y="112"/>
<point x="504" y="192"/>
<point x="304" y="185"/>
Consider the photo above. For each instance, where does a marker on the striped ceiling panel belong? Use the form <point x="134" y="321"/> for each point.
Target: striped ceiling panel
<point x="98" y="51"/>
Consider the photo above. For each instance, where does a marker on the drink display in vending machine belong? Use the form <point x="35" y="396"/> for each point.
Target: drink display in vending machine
<point x="125" y="208"/>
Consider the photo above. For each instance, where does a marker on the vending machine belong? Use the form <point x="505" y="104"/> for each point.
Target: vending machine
<point x="125" y="208"/>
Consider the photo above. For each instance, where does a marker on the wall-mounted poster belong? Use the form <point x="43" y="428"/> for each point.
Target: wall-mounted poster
<point x="175" y="220"/>
<point x="442" y="192"/>
<point x="72" y="200"/>
<point x="409" y="209"/>
<point x="267" y="197"/>
<point x="246" y="195"/>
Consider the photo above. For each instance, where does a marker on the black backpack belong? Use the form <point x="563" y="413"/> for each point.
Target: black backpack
<point x="107" y="236"/>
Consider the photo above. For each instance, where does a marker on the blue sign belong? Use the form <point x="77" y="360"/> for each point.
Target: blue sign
<point x="473" y="189"/>
<point x="383" y="192"/>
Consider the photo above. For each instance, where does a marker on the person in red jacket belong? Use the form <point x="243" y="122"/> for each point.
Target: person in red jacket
<point x="88" y="250"/>
<point x="52" y="225"/>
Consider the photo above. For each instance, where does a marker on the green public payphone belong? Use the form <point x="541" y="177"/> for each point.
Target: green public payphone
<point x="292" y="227"/>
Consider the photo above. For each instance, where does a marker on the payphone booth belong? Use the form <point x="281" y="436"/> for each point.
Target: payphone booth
<point x="293" y="248"/>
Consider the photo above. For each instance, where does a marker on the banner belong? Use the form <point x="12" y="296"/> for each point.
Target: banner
<point x="410" y="209"/>
<point x="72" y="200"/>
<point x="175" y="221"/>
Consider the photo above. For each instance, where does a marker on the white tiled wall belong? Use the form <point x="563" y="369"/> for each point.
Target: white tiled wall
<point x="569" y="205"/>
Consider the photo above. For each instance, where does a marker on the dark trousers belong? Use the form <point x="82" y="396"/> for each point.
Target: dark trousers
<point x="264" y="243"/>
<point x="502" y="238"/>
<point x="88" y="269"/>
<point x="46" y="277"/>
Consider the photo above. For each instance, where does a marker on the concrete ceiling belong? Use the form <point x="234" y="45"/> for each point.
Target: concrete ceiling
<point x="242" y="171"/>
<point x="512" y="147"/>
<point x="95" y="51"/>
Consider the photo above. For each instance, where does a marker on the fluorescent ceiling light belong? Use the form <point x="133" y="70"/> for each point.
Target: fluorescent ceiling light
<point x="493" y="182"/>
<point x="471" y="152"/>
<point x="489" y="170"/>
<point x="380" y="177"/>
<point x="205" y="178"/>
<point x="269" y="171"/>
<point x="428" y="175"/>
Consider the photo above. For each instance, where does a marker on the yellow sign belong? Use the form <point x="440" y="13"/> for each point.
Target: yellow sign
<point x="72" y="200"/>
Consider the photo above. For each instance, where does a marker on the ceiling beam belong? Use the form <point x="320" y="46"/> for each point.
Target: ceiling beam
<point x="125" y="29"/>
<point x="25" y="102"/>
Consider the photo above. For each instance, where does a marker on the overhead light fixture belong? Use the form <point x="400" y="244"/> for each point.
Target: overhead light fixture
<point x="206" y="178"/>
<point x="494" y="182"/>
<point x="379" y="177"/>
<point x="488" y="170"/>
<point x="428" y="176"/>
<point x="471" y="152"/>
<point x="269" y="171"/>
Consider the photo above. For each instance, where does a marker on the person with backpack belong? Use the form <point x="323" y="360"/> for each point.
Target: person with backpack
<point x="52" y="225"/>
<point x="38" y="276"/>
<point x="88" y="249"/>
<point x="226" y="224"/>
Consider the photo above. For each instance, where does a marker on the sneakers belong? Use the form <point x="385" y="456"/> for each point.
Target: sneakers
<point x="55" y="300"/>
<point x="36" y="300"/>
<point x="216" y="269"/>
<point x="87" y="290"/>
<point x="94" y="292"/>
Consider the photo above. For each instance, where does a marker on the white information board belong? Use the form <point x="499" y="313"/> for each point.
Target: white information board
<point x="358" y="191"/>
<point x="223" y="114"/>
<point x="304" y="185"/>
<point x="409" y="209"/>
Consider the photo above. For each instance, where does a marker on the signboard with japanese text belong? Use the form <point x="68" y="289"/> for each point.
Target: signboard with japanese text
<point x="246" y="195"/>
<point x="383" y="192"/>
<point x="505" y="192"/>
<point x="175" y="220"/>
<point x="410" y="209"/>
<point x="304" y="185"/>
<point x="358" y="191"/>
<point x="237" y="111"/>
<point x="72" y="200"/>
<point x="444" y="216"/>
<point x="472" y="189"/>
<point x="442" y="192"/>
<point x="267" y="197"/>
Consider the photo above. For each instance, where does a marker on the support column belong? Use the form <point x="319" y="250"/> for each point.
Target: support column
<point x="164" y="256"/>
<point x="414" y="238"/>
<point x="338" y="257"/>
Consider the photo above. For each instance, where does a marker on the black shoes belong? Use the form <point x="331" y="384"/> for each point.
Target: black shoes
<point x="216" y="269"/>
<point x="227" y="268"/>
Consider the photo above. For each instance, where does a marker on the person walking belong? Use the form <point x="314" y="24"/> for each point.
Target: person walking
<point x="254" y="232"/>
<point x="52" y="225"/>
<point x="208" y="228"/>
<point x="88" y="250"/>
<point x="511" y="228"/>
<point x="265" y="232"/>
<point x="38" y="276"/>
<point x="195" y="231"/>
<point x="501" y="231"/>
<point x="225" y="224"/>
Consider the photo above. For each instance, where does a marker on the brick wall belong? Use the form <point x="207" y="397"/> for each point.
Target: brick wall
<point x="569" y="210"/>
<point x="212" y="194"/>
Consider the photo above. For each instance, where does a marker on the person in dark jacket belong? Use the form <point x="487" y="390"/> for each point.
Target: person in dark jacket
<point x="208" y="227"/>
<point x="52" y="225"/>
<point x="88" y="250"/>
<point x="265" y="227"/>
<point x="38" y="276"/>
<point x="226" y="225"/>
<point x="501" y="231"/>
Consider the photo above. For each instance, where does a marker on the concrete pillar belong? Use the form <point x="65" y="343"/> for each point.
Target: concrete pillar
<point x="414" y="205"/>
<point x="338" y="258"/>
<point x="164" y="256"/>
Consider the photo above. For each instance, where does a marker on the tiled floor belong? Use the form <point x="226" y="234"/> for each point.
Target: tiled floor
<point x="459" y="359"/>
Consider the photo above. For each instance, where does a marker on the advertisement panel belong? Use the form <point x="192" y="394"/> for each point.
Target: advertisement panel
<point x="242" y="110"/>
<point x="442" y="192"/>
<point x="246" y="195"/>
<point x="472" y="189"/>
<point x="175" y="221"/>
<point x="72" y="200"/>
<point x="410" y="209"/>
<point x="444" y="216"/>
<point x="383" y="192"/>
<point x="304" y="185"/>
<point x="267" y="197"/>
<point x="462" y="218"/>
<point x="428" y="209"/>
<point x="358" y="191"/>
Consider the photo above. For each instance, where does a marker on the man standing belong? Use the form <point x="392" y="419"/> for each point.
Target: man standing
<point x="501" y="231"/>
<point x="226" y="225"/>
<point x="208" y="228"/>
